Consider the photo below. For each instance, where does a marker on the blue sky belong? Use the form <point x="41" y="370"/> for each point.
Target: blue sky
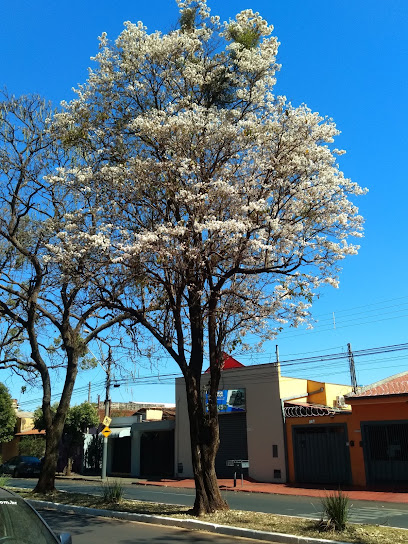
<point x="347" y="60"/>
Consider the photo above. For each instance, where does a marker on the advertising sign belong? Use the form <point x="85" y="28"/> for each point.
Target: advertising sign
<point x="230" y="400"/>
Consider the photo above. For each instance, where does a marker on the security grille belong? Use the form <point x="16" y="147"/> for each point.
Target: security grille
<point x="386" y="452"/>
<point x="233" y="443"/>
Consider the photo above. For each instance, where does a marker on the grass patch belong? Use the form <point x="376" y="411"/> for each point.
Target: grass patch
<point x="336" y="508"/>
<point x="112" y="492"/>
<point x="356" y="534"/>
<point x="3" y="480"/>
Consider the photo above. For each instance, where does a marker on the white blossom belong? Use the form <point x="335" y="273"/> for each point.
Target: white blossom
<point x="202" y="180"/>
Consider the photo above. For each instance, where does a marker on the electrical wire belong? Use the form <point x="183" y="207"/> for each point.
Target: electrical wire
<point x="300" y="365"/>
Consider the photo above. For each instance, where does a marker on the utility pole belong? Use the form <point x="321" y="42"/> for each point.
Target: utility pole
<point x="89" y="392"/>
<point x="352" y="369"/>
<point x="107" y="412"/>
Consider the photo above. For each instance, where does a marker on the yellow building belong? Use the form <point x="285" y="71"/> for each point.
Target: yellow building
<point x="24" y="427"/>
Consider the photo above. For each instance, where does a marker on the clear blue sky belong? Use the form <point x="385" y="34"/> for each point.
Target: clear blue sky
<point x="347" y="60"/>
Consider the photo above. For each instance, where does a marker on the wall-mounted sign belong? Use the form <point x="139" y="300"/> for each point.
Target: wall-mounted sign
<point x="229" y="400"/>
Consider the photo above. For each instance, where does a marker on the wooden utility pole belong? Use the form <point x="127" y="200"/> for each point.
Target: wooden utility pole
<point x="352" y="369"/>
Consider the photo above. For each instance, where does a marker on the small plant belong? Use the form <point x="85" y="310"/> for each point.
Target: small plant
<point x="112" y="492"/>
<point x="335" y="511"/>
<point x="3" y="480"/>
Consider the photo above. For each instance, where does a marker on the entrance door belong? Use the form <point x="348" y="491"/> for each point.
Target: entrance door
<point x="386" y="451"/>
<point x="321" y="454"/>
<point x="233" y="443"/>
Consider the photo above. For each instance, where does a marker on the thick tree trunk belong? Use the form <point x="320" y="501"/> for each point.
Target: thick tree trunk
<point x="204" y="435"/>
<point x="54" y="425"/>
<point x="46" y="481"/>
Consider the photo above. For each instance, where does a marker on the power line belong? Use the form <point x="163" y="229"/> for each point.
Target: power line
<point x="308" y="363"/>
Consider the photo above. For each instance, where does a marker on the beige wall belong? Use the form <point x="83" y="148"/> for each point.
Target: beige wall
<point x="25" y="424"/>
<point x="264" y="421"/>
<point x="304" y="390"/>
<point x="293" y="387"/>
<point x="154" y="415"/>
<point x="333" y="390"/>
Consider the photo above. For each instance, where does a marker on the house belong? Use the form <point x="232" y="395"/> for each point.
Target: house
<point x="318" y="442"/>
<point x="361" y="439"/>
<point x="378" y="428"/>
<point x="127" y="409"/>
<point x="253" y="431"/>
<point x="24" y="427"/>
<point x="142" y="445"/>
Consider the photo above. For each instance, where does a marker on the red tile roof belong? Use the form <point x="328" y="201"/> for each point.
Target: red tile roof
<point x="394" y="385"/>
<point x="31" y="432"/>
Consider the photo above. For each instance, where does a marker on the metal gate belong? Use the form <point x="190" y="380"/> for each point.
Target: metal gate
<point x="386" y="451"/>
<point x="321" y="454"/>
<point x="233" y="443"/>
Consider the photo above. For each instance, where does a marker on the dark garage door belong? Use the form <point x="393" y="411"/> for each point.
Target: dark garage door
<point x="386" y="452"/>
<point x="321" y="454"/>
<point x="157" y="454"/>
<point x="121" y="455"/>
<point x="233" y="443"/>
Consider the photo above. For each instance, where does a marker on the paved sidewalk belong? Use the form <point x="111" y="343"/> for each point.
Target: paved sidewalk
<point x="259" y="487"/>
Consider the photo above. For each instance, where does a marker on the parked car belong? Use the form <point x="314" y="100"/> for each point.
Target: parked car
<point x="21" y="465"/>
<point x="21" y="524"/>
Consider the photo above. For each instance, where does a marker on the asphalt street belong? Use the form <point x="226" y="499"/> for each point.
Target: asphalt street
<point x="94" y="530"/>
<point x="378" y="513"/>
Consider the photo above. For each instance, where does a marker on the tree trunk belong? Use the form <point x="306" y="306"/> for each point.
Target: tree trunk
<point x="46" y="481"/>
<point x="54" y="425"/>
<point x="204" y="435"/>
<point x="68" y="469"/>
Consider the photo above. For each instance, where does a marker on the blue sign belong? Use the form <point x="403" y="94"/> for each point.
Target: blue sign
<point x="229" y="400"/>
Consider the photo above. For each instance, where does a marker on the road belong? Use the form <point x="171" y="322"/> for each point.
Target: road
<point x="378" y="513"/>
<point x="94" y="530"/>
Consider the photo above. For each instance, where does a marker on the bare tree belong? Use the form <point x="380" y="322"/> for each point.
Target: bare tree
<point x="44" y="306"/>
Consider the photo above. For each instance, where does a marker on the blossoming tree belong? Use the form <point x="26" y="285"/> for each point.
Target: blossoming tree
<point x="220" y="206"/>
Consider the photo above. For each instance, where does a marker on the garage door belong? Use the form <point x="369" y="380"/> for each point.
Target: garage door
<point x="386" y="451"/>
<point x="321" y="454"/>
<point x="233" y="443"/>
<point x="157" y="454"/>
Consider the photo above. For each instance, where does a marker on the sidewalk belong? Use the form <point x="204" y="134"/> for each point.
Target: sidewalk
<point x="259" y="487"/>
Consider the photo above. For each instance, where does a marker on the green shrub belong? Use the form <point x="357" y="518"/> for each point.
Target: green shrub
<point x="32" y="445"/>
<point x="112" y="492"/>
<point x="93" y="454"/>
<point x="335" y="511"/>
<point x="3" y="480"/>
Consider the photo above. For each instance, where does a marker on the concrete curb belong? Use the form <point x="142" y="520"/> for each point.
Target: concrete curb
<point x="191" y="524"/>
